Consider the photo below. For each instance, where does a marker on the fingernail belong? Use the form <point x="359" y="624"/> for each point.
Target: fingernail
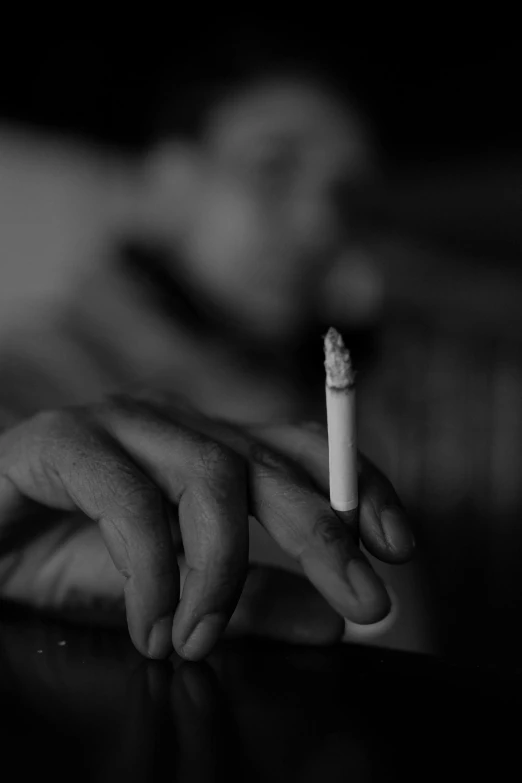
<point x="364" y="581"/>
<point x="396" y="530"/>
<point x="160" y="638"/>
<point x="204" y="636"/>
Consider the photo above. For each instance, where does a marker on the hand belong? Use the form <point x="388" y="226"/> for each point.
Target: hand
<point x="158" y="478"/>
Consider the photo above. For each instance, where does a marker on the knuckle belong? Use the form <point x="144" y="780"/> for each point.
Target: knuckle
<point x="330" y="530"/>
<point x="132" y="497"/>
<point x="288" y="472"/>
<point x="125" y="491"/>
<point x="128" y="515"/>
<point x="267" y="457"/>
<point x="218" y="461"/>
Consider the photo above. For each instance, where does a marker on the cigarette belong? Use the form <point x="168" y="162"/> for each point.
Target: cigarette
<point x="342" y="454"/>
<point x="340" y="412"/>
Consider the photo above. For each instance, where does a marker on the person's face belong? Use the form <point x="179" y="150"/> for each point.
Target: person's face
<point x="269" y="220"/>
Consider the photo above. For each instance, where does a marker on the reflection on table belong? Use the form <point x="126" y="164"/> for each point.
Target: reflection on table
<point x="82" y="703"/>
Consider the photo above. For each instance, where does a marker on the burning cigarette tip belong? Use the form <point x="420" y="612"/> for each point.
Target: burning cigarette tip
<point x="338" y="363"/>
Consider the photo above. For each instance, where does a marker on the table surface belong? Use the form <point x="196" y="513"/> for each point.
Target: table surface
<point x="82" y="703"/>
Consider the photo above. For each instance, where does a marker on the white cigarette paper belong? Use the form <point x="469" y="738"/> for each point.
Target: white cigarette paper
<point x="340" y="411"/>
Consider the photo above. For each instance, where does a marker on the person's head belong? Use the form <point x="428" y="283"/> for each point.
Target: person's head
<point x="250" y="176"/>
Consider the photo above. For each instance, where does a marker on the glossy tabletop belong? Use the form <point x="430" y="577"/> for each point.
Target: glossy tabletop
<point x="81" y="704"/>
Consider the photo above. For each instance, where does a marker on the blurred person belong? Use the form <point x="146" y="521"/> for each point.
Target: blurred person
<point x="225" y="241"/>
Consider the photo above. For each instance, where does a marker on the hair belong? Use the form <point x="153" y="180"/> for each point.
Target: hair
<point x="198" y="82"/>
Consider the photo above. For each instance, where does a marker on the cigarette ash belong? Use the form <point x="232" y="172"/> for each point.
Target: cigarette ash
<point x="338" y="364"/>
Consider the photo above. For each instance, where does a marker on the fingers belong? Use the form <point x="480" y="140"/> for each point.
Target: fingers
<point x="280" y="492"/>
<point x="126" y="465"/>
<point x="383" y="526"/>
<point x="302" y="522"/>
<point x="64" y="460"/>
<point x="120" y="464"/>
<point x="208" y="483"/>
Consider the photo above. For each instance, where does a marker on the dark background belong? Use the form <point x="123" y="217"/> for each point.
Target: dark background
<point x="428" y="100"/>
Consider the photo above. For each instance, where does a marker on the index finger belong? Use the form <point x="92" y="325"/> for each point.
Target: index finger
<point x="383" y="526"/>
<point x="302" y="522"/>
